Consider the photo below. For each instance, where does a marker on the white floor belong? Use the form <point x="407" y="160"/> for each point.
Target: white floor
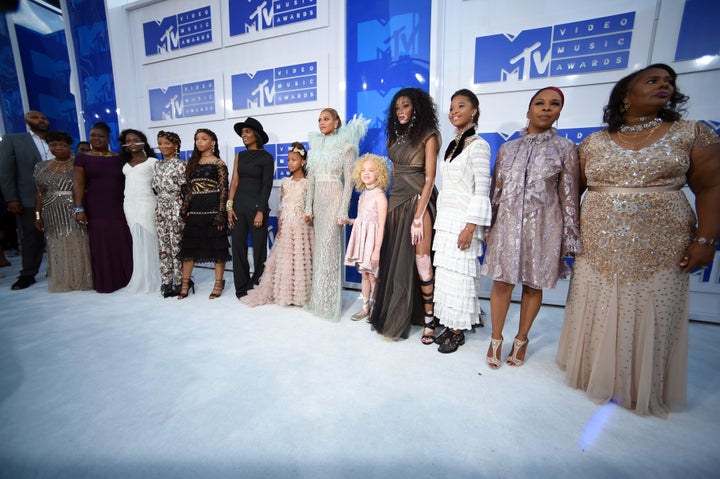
<point x="137" y="386"/>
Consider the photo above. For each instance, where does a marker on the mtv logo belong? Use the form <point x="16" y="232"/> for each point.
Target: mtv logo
<point x="93" y="39"/>
<point x="250" y="15"/>
<point x="253" y="90"/>
<point x="382" y="39"/>
<point x="166" y="103"/>
<point x="161" y="36"/>
<point x="520" y="57"/>
<point x="99" y="89"/>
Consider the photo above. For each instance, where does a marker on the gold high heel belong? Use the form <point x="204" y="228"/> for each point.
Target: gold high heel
<point x="513" y="360"/>
<point x="219" y="286"/>
<point x="494" y="359"/>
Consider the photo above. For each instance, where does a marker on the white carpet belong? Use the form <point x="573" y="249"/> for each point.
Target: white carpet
<point x="137" y="386"/>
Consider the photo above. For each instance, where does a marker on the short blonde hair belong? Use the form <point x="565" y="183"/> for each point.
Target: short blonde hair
<point x="381" y="167"/>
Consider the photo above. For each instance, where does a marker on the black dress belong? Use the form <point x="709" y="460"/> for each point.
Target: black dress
<point x="254" y="169"/>
<point x="205" y="234"/>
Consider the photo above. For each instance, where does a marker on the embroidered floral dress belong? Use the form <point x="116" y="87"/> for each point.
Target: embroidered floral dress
<point x="535" y="211"/>
<point x="625" y="333"/>
<point x="330" y="164"/>
<point x="167" y="183"/>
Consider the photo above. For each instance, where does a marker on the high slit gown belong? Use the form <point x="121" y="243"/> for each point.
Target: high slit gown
<point x="398" y="298"/>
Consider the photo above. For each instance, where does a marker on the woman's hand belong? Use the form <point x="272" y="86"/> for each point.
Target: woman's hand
<point x="417" y="232"/>
<point x="232" y="218"/>
<point x="258" y="221"/>
<point x="697" y="256"/>
<point x="465" y="237"/>
<point x="309" y="219"/>
<point x="81" y="218"/>
<point x="39" y="225"/>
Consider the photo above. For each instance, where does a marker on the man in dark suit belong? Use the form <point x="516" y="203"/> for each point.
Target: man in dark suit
<point x="19" y="153"/>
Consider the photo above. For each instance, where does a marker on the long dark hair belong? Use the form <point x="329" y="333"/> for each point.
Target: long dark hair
<point x="614" y="111"/>
<point x="424" y="116"/>
<point x="125" y="154"/>
<point x="196" y="155"/>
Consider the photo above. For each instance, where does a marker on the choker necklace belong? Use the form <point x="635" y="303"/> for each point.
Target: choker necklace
<point x="644" y="126"/>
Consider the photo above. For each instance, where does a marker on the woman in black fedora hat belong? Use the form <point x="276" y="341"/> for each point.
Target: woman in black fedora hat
<point x="248" y="208"/>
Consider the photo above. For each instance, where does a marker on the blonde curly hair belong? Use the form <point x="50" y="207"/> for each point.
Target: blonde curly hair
<point x="381" y="170"/>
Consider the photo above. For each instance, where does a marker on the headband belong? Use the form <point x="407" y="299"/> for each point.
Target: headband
<point x="553" y="88"/>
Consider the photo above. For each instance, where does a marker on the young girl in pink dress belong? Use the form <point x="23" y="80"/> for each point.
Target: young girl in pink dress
<point x="371" y="176"/>
<point x="287" y="278"/>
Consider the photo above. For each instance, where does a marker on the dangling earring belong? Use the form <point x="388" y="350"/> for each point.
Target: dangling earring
<point x="625" y="106"/>
<point x="336" y="127"/>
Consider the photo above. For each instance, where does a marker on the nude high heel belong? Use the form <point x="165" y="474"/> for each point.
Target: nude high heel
<point x="518" y="344"/>
<point x="493" y="359"/>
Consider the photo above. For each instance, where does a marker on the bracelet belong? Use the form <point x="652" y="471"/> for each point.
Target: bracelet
<point x="78" y="209"/>
<point x="37" y="215"/>
<point x="705" y="241"/>
<point x="229" y="204"/>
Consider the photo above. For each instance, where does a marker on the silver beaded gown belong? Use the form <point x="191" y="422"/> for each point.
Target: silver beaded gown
<point x="625" y="334"/>
<point x="330" y="164"/>
<point x="68" y="249"/>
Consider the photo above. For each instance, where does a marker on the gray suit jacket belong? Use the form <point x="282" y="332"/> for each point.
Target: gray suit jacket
<point x="18" y="157"/>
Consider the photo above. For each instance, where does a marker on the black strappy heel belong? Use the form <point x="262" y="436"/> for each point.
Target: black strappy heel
<point x="428" y="338"/>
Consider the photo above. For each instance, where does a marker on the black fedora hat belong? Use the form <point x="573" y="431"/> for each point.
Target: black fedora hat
<point x="253" y="124"/>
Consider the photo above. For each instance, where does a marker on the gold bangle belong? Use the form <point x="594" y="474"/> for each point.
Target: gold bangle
<point x="229" y="204"/>
<point x="37" y="215"/>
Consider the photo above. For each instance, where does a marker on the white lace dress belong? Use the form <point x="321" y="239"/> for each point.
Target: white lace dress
<point x="139" y="207"/>
<point x="464" y="198"/>
<point x="330" y="164"/>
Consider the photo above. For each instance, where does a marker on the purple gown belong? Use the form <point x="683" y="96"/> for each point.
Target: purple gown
<point x="110" y="240"/>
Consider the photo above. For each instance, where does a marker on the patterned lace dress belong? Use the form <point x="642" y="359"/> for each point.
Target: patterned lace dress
<point x="68" y="249"/>
<point x="167" y="183"/>
<point x="535" y="211"/>
<point x="330" y="164"/>
<point x="625" y="333"/>
<point x="288" y="271"/>
<point x="205" y="234"/>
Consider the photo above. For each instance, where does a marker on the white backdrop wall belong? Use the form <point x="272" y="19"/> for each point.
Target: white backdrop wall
<point x="529" y="35"/>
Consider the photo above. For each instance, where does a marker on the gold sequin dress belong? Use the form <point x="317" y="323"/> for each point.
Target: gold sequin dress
<point x="625" y="334"/>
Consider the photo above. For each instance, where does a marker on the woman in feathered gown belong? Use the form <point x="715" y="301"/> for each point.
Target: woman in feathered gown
<point x="332" y="155"/>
